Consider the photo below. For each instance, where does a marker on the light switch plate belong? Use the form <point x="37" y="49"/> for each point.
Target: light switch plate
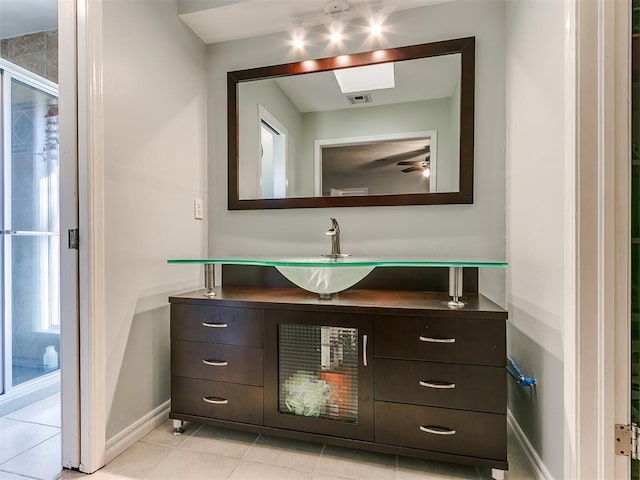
<point x="197" y="209"/>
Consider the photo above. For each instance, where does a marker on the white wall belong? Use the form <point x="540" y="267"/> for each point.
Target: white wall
<point x="476" y="230"/>
<point x="536" y="220"/>
<point x="155" y="165"/>
<point x="375" y="120"/>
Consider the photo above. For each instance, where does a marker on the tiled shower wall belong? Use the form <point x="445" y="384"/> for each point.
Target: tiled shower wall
<point x="37" y="52"/>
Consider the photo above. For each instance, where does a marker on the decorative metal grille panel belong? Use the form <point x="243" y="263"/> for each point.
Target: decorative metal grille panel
<point x="318" y="372"/>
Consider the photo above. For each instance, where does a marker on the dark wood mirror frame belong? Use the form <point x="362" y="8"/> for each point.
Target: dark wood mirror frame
<point x="463" y="46"/>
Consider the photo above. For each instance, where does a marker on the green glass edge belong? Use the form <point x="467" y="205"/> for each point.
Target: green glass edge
<point x="341" y="262"/>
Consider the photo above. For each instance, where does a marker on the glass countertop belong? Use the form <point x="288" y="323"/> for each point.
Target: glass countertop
<point x="351" y="261"/>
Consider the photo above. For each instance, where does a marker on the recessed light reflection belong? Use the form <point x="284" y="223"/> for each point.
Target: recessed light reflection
<point x="379" y="55"/>
<point x="309" y="64"/>
<point x="375" y="29"/>
<point x="335" y="31"/>
<point x="297" y="38"/>
<point x="376" y="25"/>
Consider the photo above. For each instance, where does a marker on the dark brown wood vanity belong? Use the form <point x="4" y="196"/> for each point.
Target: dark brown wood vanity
<point x="383" y="366"/>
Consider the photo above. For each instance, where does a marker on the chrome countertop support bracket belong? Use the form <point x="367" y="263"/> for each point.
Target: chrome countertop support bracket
<point x="209" y="279"/>
<point x="455" y="287"/>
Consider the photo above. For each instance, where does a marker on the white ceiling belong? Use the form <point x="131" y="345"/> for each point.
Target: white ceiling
<point x="20" y="17"/>
<point x="421" y="79"/>
<point x="222" y="20"/>
<point x="212" y="20"/>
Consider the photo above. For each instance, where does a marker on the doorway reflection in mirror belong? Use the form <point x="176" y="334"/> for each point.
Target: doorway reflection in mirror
<point x="273" y="156"/>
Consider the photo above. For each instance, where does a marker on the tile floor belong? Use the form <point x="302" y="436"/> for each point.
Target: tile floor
<point x="30" y="449"/>
<point x="30" y="441"/>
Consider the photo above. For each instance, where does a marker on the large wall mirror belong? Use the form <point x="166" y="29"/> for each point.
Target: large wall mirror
<point x="387" y="127"/>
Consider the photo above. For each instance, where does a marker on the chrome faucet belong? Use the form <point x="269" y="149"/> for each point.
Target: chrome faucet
<point x="334" y="233"/>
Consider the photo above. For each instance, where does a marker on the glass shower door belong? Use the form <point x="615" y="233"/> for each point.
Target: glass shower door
<point x="30" y="232"/>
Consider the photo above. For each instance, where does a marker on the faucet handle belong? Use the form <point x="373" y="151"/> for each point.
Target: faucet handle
<point x="334" y="233"/>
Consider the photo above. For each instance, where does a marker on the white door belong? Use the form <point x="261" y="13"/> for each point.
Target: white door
<point x="39" y="273"/>
<point x="69" y="303"/>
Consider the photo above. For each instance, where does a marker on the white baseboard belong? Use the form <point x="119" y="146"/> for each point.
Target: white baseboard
<point x="134" y="432"/>
<point x="528" y="452"/>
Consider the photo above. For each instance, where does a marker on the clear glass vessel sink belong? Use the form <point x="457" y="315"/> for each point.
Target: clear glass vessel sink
<point x="324" y="279"/>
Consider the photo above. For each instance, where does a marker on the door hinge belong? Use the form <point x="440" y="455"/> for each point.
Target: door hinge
<point x="74" y="239"/>
<point x="627" y="440"/>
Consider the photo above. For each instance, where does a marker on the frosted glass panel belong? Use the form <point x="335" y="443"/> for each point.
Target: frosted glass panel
<point x="318" y="372"/>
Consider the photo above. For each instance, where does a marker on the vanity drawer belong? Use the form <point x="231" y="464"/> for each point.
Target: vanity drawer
<point x="451" y="385"/>
<point x="225" y="401"/>
<point x="232" y="326"/>
<point x="457" y="340"/>
<point x="444" y="430"/>
<point x="214" y="361"/>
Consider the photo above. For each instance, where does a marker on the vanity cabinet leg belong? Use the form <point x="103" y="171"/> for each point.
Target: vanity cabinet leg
<point x="497" y="474"/>
<point x="178" y="427"/>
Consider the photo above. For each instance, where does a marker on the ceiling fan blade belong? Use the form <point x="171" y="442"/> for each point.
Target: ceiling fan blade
<point x="404" y="155"/>
<point x="411" y="162"/>
<point x="412" y="169"/>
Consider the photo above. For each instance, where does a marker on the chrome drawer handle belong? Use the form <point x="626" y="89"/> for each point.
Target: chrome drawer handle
<point x="437" y="385"/>
<point x="364" y="350"/>
<point x="215" y="400"/>
<point x="216" y="363"/>
<point x="437" y="340"/>
<point x="437" y="430"/>
<point x="214" y="325"/>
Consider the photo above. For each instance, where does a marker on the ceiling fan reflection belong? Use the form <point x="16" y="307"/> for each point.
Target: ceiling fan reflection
<point x="423" y="166"/>
<point x="405" y="155"/>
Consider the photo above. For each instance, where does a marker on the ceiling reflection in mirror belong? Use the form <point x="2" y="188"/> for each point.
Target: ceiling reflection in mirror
<point x="365" y="132"/>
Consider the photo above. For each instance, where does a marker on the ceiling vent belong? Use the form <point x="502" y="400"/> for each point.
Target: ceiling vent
<point x="360" y="98"/>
